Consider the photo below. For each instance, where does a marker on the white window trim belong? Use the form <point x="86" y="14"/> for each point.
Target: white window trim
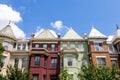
<point x="21" y="46"/>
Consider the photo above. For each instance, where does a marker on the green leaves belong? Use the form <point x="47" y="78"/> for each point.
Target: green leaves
<point x="92" y="72"/>
<point x="64" y="74"/>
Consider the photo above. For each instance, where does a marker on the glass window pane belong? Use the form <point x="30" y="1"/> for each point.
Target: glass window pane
<point x="18" y="46"/>
<point x="81" y="48"/>
<point x="24" y="62"/>
<point x="72" y="45"/>
<point x="99" y="47"/>
<point x="35" y="77"/>
<point x="24" y="47"/>
<point x="45" y="46"/>
<point x="54" y="62"/>
<point x="101" y="61"/>
<point x="52" y="47"/>
<point x="69" y="58"/>
<point x="37" y="60"/>
<point x="16" y="61"/>
<point x="36" y="45"/>
<point x="3" y="60"/>
<point x="64" y="45"/>
<point x="6" y="45"/>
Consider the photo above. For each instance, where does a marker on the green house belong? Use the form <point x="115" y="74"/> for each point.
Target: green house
<point x="73" y="52"/>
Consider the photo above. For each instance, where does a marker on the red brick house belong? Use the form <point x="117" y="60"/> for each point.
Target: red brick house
<point x="44" y="55"/>
<point x="98" y="48"/>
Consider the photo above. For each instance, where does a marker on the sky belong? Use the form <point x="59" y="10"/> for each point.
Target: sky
<point x="30" y="16"/>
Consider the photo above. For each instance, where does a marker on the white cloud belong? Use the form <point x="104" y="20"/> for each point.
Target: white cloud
<point x="8" y="14"/>
<point x="58" y="25"/>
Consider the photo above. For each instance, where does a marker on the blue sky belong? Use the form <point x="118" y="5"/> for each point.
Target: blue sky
<point x="78" y="14"/>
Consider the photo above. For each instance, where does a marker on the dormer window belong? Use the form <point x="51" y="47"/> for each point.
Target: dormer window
<point x="81" y="47"/>
<point x="21" y="46"/>
<point x="36" y="45"/>
<point x="64" y="45"/>
<point x="45" y="46"/>
<point x="52" y="47"/>
<point x="98" y="47"/>
<point x="18" y="46"/>
<point x="72" y="46"/>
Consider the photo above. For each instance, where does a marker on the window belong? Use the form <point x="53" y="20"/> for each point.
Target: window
<point x="44" y="77"/>
<point x="99" y="47"/>
<point x="45" y="46"/>
<point x="21" y="46"/>
<point x="18" y="46"/>
<point x="37" y="60"/>
<point x="3" y="60"/>
<point x="70" y="60"/>
<point x="45" y="62"/>
<point x="36" y="45"/>
<point x="35" y="77"/>
<point x="101" y="60"/>
<point x="111" y="49"/>
<point x="24" y="47"/>
<point x="6" y="45"/>
<point x="53" y="77"/>
<point x="64" y="45"/>
<point x="16" y="61"/>
<point x="114" y="63"/>
<point x="81" y="48"/>
<point x="24" y="62"/>
<point x="72" y="46"/>
<point x="52" y="47"/>
<point x="71" y="76"/>
<point x="84" y="61"/>
<point x="54" y="62"/>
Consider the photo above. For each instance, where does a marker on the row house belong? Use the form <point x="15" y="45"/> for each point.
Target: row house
<point x="114" y="48"/>
<point x="16" y="51"/>
<point x="98" y="48"/>
<point x="44" y="55"/>
<point x="73" y="53"/>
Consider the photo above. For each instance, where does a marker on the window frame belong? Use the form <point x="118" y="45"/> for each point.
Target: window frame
<point x="81" y="47"/>
<point x="36" y="75"/>
<point x="37" y="45"/>
<point x="101" y="62"/>
<point x="64" y="45"/>
<point x="54" y="62"/>
<point x="72" y="45"/>
<point x="37" y="60"/>
<point x="98" y="46"/>
<point x="45" y="46"/>
<point x="53" y="47"/>
<point x="69" y="60"/>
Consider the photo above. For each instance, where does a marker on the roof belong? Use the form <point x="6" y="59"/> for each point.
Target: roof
<point x="117" y="34"/>
<point x="109" y="40"/>
<point x="46" y="34"/>
<point x="96" y="34"/>
<point x="7" y="31"/>
<point x="71" y="34"/>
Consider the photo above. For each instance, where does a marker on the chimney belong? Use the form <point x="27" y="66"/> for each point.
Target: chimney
<point x="58" y="35"/>
<point x="32" y="35"/>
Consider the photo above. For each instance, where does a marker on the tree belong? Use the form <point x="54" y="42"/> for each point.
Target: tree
<point x="92" y="72"/>
<point x="17" y="74"/>
<point x="64" y="74"/>
<point x="1" y="64"/>
<point x="1" y="51"/>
